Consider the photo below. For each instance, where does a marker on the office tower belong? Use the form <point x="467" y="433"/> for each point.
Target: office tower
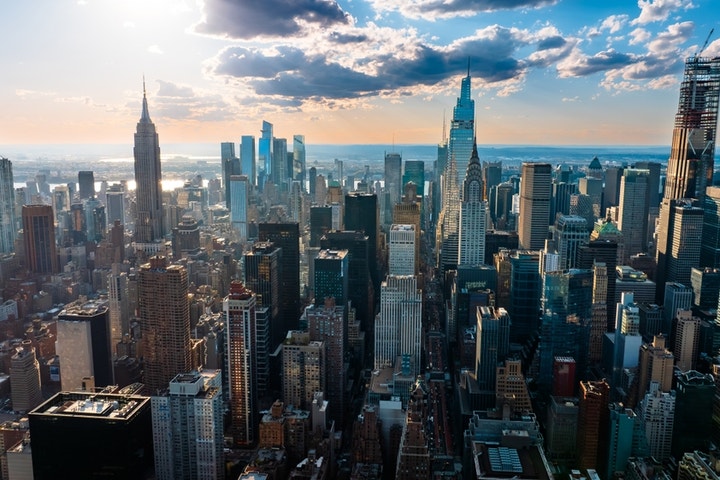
<point x="247" y="158"/>
<point x="361" y="214"/>
<point x="230" y="166"/>
<point x="599" y="320"/>
<point x="621" y="434"/>
<point x="61" y="198"/>
<point x="286" y="236"/>
<point x="592" y="422"/>
<point x="78" y="228"/>
<point x="118" y="305"/>
<point x="112" y="436"/>
<point x="278" y="170"/>
<point x="525" y="291"/>
<point x="239" y="194"/>
<point x="320" y="223"/>
<point x="261" y="268"/>
<point x="560" y="199"/>
<point x="312" y="177"/>
<point x="677" y="297"/>
<point x="298" y="172"/>
<point x="611" y="192"/>
<point x="710" y="249"/>
<point x="413" y="454"/>
<point x="86" y="184"/>
<point x="8" y="220"/>
<point x="414" y="172"/>
<point x="511" y="388"/>
<point x="562" y="426"/>
<point x="164" y="313"/>
<point x="593" y="188"/>
<point x="653" y="191"/>
<point x="39" y="239"/>
<point x="239" y="310"/>
<point x="326" y="324"/>
<point x="582" y="206"/>
<point x="650" y="319"/>
<point x="492" y="347"/>
<point x="449" y="220"/>
<point x="367" y="436"/>
<point x="227" y="152"/>
<point x="633" y="221"/>
<point x="304" y="368"/>
<point x="627" y="338"/>
<point x="462" y="130"/>
<point x="563" y="377"/>
<point x="603" y="251"/>
<point x="705" y="283"/>
<point x="331" y="276"/>
<point x="95" y="220"/>
<point x="148" y="178"/>
<point x="534" y="205"/>
<point x="684" y="252"/>
<point x="83" y="345"/>
<point x="401" y="250"/>
<point x="361" y="291"/>
<point x="471" y="244"/>
<point x="265" y="149"/>
<point x="392" y="184"/>
<point x="398" y="325"/>
<point x="186" y="237"/>
<point x="187" y="427"/>
<point x="115" y="203"/>
<point x="694" y="397"/>
<point x="571" y="234"/>
<point x="633" y="281"/>
<point x="25" y="378"/>
<point x="501" y="206"/>
<point x="686" y="339"/>
<point x="492" y="176"/>
<point x="567" y="307"/>
<point x="692" y="152"/>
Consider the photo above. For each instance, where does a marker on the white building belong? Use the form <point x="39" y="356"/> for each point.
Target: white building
<point x="401" y="255"/>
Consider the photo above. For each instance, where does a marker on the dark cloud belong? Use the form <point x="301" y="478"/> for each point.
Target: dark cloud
<point x="582" y="66"/>
<point x="246" y="19"/>
<point x="446" y="8"/>
<point x="551" y="42"/>
<point x="343" y="38"/>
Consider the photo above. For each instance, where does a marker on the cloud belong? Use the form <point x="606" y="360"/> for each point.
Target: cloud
<point x="639" y="36"/>
<point x="658" y="10"/>
<point x="248" y="19"/>
<point x="580" y="65"/>
<point x="25" y="93"/>
<point x="155" y="49"/>
<point x="434" y="9"/>
<point x="176" y="103"/>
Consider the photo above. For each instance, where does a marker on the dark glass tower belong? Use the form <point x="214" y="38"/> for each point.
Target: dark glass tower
<point x="331" y="277"/>
<point x="361" y="214"/>
<point x="148" y="177"/>
<point x="287" y="237"/>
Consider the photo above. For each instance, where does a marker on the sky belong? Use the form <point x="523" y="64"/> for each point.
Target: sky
<point x="544" y="72"/>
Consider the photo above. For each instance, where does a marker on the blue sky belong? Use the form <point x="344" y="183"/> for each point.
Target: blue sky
<point x="348" y="71"/>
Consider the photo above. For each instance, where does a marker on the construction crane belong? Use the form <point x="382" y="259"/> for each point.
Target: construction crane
<point x="707" y="40"/>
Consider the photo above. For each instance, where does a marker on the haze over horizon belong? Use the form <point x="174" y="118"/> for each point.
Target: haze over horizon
<point x="545" y="72"/>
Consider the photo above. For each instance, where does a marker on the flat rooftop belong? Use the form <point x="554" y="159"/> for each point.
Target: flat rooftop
<point x="92" y="405"/>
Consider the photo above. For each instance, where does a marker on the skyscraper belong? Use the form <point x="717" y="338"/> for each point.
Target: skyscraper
<point x="230" y="166"/>
<point x="279" y="172"/>
<point x="331" y="276"/>
<point x="239" y="309"/>
<point x="304" y="368"/>
<point x="571" y="234"/>
<point x="187" y="421"/>
<point x="462" y="129"/>
<point x="286" y="236"/>
<point x="449" y="220"/>
<point x="492" y="347"/>
<point x="393" y="188"/>
<point x="361" y="214"/>
<point x="414" y="171"/>
<point x="8" y="220"/>
<point x="592" y="422"/>
<point x="710" y="249"/>
<point x="473" y="221"/>
<point x="401" y="250"/>
<point x="247" y="158"/>
<point x="265" y="148"/>
<point x="25" y="378"/>
<point x="686" y="233"/>
<point x="86" y="184"/>
<point x="39" y="238"/>
<point x="148" y="181"/>
<point x="298" y="170"/>
<point x="164" y="312"/>
<point x="634" y="210"/>
<point x="534" y="205"/>
<point x="239" y="196"/>
<point x="657" y="417"/>
<point x="692" y="152"/>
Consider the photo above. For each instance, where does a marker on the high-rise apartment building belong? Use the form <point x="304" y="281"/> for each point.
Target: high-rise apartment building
<point x="692" y="151"/>
<point x="304" y="368"/>
<point x="656" y="365"/>
<point x="149" y="224"/>
<point x="592" y="422"/>
<point x="473" y="221"/>
<point x="83" y="345"/>
<point x="8" y="218"/>
<point x="657" y="417"/>
<point x="187" y="425"/>
<point x="240" y="317"/>
<point x="686" y="339"/>
<point x="535" y="193"/>
<point x="164" y="313"/>
<point x="39" y="238"/>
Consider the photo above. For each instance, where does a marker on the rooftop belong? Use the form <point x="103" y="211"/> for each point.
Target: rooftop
<point x="91" y="405"/>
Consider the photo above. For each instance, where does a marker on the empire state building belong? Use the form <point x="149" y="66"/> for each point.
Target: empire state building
<point x="148" y="189"/>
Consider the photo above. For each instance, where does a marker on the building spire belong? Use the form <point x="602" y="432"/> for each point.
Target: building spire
<point x="145" y="117"/>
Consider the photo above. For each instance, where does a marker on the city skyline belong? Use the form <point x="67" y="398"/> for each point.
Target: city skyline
<point x="544" y="72"/>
